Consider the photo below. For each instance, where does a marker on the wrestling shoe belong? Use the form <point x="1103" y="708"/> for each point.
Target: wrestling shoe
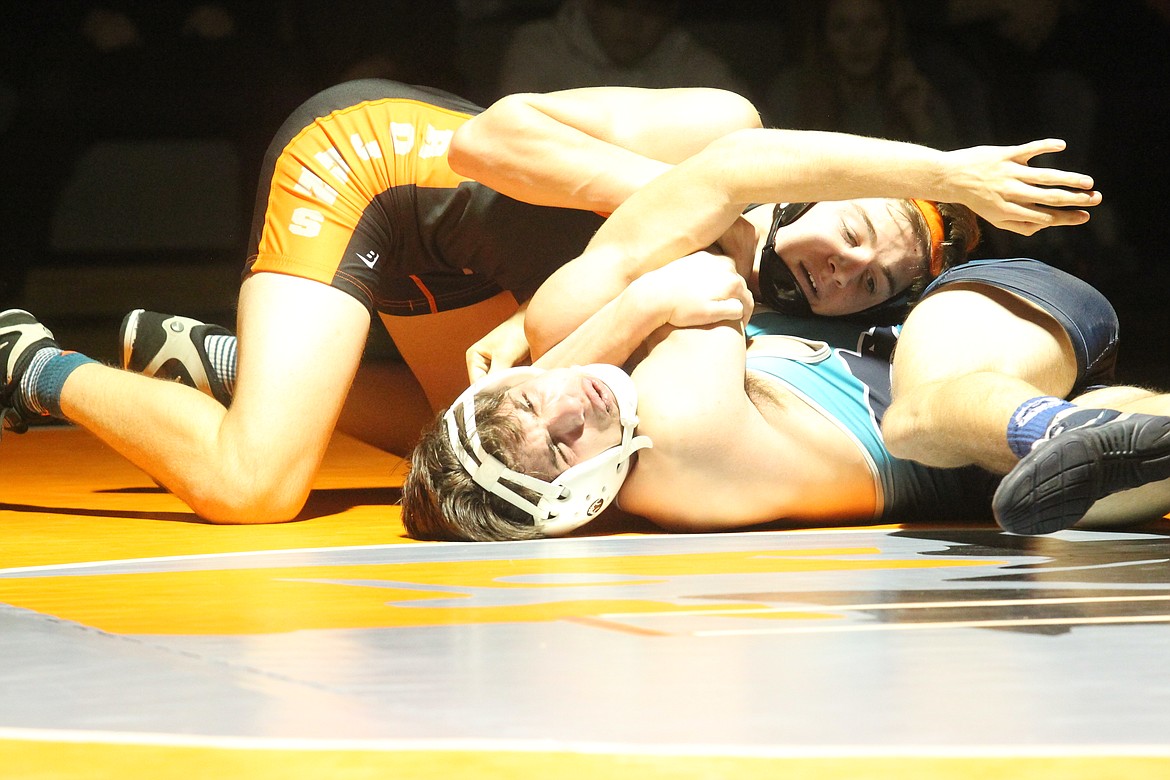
<point x="21" y="337"/>
<point x="1052" y="487"/>
<point x="172" y="347"/>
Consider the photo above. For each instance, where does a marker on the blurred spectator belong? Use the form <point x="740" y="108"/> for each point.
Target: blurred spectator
<point x="638" y="43"/>
<point x="856" y="75"/>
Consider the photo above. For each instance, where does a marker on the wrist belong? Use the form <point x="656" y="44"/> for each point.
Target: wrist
<point x="944" y="178"/>
<point x="643" y="305"/>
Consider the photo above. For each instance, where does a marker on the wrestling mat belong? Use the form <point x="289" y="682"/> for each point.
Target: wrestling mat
<point x="136" y="641"/>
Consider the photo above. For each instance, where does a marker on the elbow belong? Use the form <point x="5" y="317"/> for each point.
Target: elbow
<point x="463" y="155"/>
<point x="724" y="111"/>
<point x="477" y="140"/>
<point x="740" y="113"/>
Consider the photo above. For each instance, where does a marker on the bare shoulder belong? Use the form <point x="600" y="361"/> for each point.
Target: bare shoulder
<point x="703" y="472"/>
<point x="731" y="451"/>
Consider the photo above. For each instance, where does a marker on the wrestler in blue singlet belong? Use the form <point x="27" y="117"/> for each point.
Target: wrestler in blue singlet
<point x="848" y="379"/>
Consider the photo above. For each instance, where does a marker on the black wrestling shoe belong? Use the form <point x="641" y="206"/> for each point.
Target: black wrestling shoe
<point x="21" y="337"/>
<point x="1053" y="486"/>
<point x="172" y="347"/>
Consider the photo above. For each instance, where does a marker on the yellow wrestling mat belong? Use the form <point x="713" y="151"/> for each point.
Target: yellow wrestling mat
<point x="137" y="641"/>
<point x="74" y="500"/>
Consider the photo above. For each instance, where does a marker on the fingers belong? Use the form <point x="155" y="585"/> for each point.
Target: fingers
<point x="483" y="363"/>
<point x="749" y="306"/>
<point x="1039" y="218"/>
<point x="1025" y="152"/>
<point x="736" y="306"/>
<point x="730" y="309"/>
<point x="477" y="365"/>
<point x="1056" y="178"/>
<point x="1056" y="198"/>
<point x="1048" y="177"/>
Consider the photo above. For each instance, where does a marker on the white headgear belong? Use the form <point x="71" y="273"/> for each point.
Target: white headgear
<point x="580" y="492"/>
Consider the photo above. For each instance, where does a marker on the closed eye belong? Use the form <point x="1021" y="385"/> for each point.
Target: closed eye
<point x="849" y="235"/>
<point x="558" y="460"/>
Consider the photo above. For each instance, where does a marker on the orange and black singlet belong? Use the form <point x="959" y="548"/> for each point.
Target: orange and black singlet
<point x="356" y="193"/>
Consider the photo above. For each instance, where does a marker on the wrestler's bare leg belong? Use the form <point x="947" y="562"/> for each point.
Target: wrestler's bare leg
<point x="299" y="345"/>
<point x="968" y="356"/>
<point x="386" y="407"/>
<point x="435" y="345"/>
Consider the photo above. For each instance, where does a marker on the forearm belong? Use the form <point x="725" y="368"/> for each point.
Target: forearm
<point x="612" y="334"/>
<point x="701" y="289"/>
<point x="774" y="165"/>
<point x="688" y="207"/>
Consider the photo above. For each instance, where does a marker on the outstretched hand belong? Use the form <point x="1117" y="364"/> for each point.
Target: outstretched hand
<point x="999" y="184"/>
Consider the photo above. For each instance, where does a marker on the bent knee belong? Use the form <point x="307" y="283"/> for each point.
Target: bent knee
<point x="252" y="504"/>
<point x="897" y="431"/>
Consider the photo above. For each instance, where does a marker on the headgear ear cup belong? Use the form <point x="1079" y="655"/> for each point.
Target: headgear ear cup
<point x="778" y="287"/>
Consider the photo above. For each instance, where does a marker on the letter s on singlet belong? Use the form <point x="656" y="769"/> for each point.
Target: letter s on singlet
<point x="306" y="222"/>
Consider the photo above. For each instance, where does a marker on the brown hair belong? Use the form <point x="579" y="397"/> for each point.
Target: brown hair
<point x="441" y="502"/>
<point x="961" y="234"/>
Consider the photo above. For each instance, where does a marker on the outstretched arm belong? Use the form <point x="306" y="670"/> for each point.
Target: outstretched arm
<point x="692" y="205"/>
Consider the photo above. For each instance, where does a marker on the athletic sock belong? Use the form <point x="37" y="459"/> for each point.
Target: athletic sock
<point x="40" y="387"/>
<point x="221" y="354"/>
<point x="1045" y="417"/>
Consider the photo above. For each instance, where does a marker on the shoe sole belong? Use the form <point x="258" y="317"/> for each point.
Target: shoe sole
<point x="1053" y="487"/>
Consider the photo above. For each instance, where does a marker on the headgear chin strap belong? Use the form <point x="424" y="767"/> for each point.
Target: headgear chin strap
<point x="781" y="292"/>
<point x="578" y="494"/>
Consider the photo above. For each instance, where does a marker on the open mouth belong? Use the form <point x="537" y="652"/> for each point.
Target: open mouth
<point x="809" y="283"/>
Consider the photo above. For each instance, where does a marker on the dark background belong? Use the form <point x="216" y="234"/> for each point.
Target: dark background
<point x="60" y="93"/>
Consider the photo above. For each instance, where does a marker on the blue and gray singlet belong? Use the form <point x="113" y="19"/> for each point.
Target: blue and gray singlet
<point x="848" y="379"/>
<point x="851" y="388"/>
